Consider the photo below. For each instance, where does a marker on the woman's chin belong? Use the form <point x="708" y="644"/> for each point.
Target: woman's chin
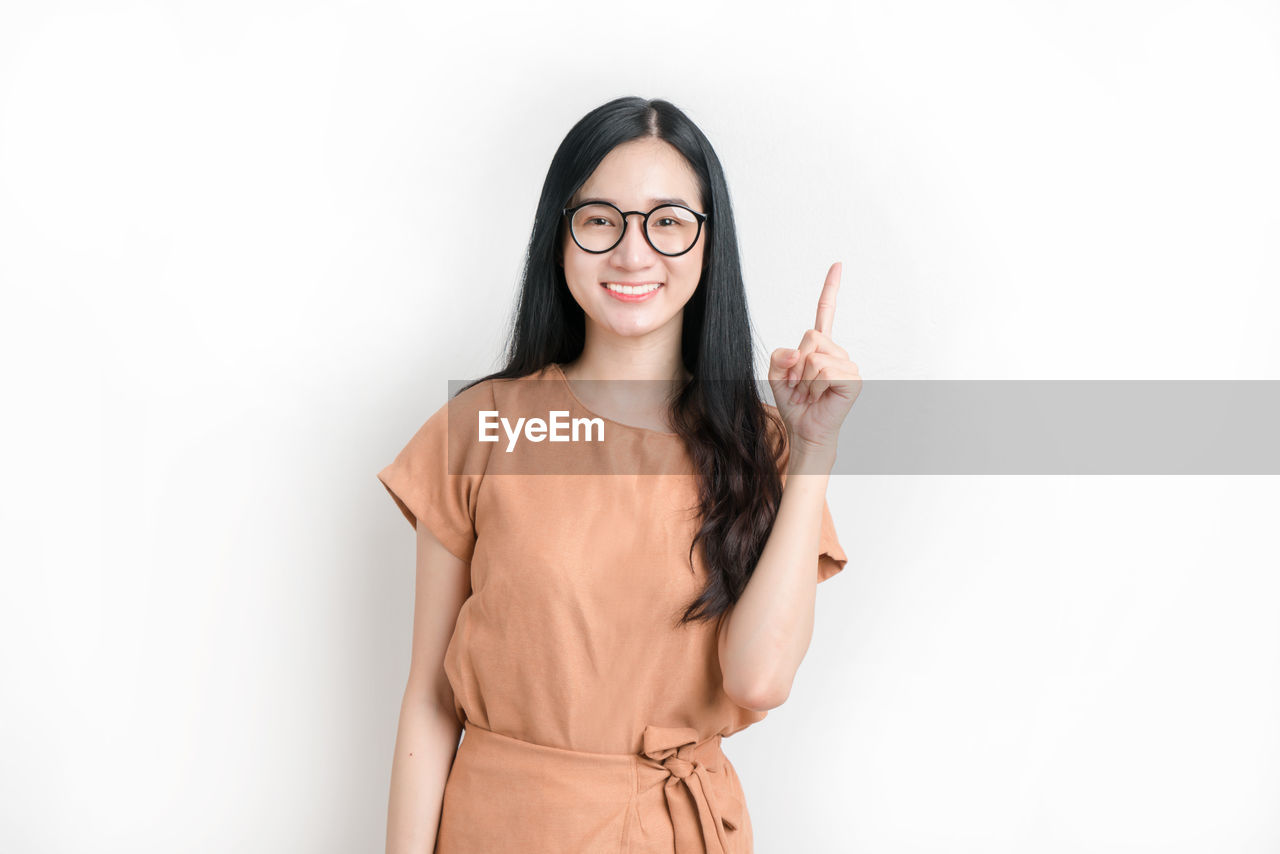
<point x="633" y="326"/>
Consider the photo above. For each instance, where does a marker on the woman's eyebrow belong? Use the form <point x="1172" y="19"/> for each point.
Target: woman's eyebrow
<point x="652" y="202"/>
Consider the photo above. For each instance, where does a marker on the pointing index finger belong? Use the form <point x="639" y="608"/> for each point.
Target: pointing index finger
<point x="827" y="301"/>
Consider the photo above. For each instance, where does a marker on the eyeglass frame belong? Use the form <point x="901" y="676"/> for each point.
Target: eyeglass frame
<point x="644" y="229"/>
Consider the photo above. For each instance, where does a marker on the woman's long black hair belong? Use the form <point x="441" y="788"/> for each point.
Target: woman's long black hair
<point x="718" y="414"/>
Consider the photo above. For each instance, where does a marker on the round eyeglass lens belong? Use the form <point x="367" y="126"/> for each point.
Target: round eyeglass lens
<point x="671" y="229"/>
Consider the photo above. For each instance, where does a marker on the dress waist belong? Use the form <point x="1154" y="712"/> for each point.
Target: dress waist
<point x="677" y="794"/>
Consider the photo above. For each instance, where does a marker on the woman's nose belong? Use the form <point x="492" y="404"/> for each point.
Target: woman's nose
<point x="634" y="250"/>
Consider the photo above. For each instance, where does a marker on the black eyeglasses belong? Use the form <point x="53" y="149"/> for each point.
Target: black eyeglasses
<point x="671" y="230"/>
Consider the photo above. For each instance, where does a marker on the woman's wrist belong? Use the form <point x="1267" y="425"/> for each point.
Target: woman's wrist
<point x="807" y="460"/>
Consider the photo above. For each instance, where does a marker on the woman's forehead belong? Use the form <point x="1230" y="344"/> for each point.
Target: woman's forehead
<point x="644" y="172"/>
<point x="651" y="202"/>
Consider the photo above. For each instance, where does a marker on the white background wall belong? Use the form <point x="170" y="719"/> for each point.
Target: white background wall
<point x="238" y="268"/>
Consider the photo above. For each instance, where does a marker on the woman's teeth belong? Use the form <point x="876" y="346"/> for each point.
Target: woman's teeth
<point x="628" y="289"/>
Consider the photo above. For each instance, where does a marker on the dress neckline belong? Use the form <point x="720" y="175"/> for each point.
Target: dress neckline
<point x="569" y="388"/>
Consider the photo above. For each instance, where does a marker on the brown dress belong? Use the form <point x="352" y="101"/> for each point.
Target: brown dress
<point x="592" y="723"/>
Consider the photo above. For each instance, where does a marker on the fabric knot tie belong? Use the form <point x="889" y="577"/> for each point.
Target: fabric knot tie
<point x="690" y="788"/>
<point x="679" y="768"/>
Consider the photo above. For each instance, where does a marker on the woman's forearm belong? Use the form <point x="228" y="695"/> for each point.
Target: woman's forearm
<point x="767" y="632"/>
<point x="426" y="743"/>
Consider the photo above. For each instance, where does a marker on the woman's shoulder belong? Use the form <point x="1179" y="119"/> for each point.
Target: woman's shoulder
<point x="487" y="393"/>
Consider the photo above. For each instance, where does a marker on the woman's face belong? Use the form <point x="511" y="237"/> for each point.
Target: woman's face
<point x="636" y="176"/>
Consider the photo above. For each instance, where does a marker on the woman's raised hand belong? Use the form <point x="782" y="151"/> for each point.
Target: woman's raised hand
<point x="815" y="385"/>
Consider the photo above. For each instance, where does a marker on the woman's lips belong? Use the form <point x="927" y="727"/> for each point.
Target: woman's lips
<point x="632" y="297"/>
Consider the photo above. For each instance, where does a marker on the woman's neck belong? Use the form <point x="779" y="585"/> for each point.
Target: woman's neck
<point x="658" y="365"/>
<point x="604" y="382"/>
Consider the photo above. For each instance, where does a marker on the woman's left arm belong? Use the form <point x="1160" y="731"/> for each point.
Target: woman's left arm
<point x="764" y="636"/>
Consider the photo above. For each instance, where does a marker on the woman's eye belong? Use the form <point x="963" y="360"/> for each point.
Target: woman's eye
<point x="597" y="220"/>
<point x="665" y="219"/>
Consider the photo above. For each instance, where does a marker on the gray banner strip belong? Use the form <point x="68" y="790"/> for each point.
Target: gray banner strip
<point x="1039" y="427"/>
<point x="1063" y="427"/>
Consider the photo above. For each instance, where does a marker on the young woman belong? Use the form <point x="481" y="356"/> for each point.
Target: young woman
<point x="596" y="632"/>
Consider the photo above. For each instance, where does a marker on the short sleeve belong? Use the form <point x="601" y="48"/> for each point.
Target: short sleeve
<point x="436" y="477"/>
<point x="831" y="556"/>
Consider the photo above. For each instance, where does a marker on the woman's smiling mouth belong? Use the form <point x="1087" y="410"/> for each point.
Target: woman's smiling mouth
<point x="631" y="291"/>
